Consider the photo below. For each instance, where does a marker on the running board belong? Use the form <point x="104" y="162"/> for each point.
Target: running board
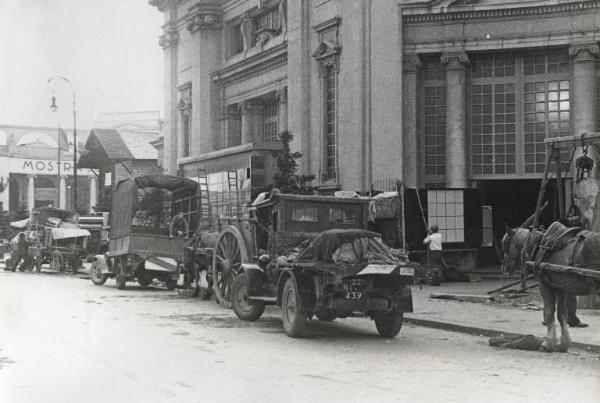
<point x="266" y="300"/>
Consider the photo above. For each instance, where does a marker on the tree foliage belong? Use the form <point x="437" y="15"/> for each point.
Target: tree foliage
<point x="286" y="179"/>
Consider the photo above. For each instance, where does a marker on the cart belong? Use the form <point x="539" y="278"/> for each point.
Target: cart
<point x="140" y="245"/>
<point x="264" y="257"/>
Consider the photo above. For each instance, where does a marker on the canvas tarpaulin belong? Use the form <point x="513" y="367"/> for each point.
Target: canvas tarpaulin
<point x="125" y="203"/>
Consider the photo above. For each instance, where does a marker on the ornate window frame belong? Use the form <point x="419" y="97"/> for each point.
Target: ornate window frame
<point x="327" y="55"/>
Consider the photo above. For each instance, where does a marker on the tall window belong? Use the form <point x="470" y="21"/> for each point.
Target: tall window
<point x="516" y="102"/>
<point x="434" y="119"/>
<point x="270" y="129"/>
<point x="268" y="21"/>
<point x="236" y="42"/>
<point x="185" y="123"/>
<point x="330" y="89"/>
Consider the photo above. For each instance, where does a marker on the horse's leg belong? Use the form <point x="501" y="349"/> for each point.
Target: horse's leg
<point x="549" y="307"/>
<point x="562" y="314"/>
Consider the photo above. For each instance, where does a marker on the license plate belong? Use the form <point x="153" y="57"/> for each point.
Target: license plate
<point x="353" y="295"/>
<point x="407" y="271"/>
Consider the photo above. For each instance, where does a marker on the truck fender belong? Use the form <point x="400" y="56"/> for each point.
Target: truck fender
<point x="105" y="267"/>
<point x="403" y="299"/>
<point x="255" y="276"/>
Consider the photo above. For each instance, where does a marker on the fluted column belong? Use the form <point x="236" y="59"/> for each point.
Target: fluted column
<point x="410" y="150"/>
<point x="62" y="193"/>
<point x="168" y="41"/>
<point x="282" y="112"/>
<point x="456" y="113"/>
<point x="205" y="25"/>
<point x="30" y="192"/>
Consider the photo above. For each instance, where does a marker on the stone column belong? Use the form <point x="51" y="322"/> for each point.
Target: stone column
<point x="248" y="110"/>
<point x="204" y="23"/>
<point x="583" y="113"/>
<point x="456" y="113"/>
<point x="30" y="192"/>
<point x="282" y="111"/>
<point x="62" y="193"/>
<point x="410" y="150"/>
<point x="232" y="131"/>
<point x="168" y="41"/>
<point x="93" y="193"/>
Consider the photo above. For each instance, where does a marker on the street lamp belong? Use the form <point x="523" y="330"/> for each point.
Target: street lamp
<point x="54" y="107"/>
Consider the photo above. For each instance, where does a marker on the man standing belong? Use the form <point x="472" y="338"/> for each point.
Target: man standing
<point x="434" y="240"/>
<point x="22" y="252"/>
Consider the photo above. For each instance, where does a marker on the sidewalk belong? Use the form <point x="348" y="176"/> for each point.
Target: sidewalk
<point x="502" y="316"/>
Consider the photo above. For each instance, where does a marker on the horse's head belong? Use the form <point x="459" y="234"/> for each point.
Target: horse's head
<point x="512" y="244"/>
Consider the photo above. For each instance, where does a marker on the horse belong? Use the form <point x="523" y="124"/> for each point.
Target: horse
<point x="558" y="245"/>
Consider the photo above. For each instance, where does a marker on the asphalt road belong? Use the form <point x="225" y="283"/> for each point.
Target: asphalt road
<point x="62" y="339"/>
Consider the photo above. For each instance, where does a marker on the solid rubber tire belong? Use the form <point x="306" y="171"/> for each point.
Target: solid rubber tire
<point x="293" y="326"/>
<point x="239" y="290"/>
<point x="96" y="274"/>
<point x="388" y="324"/>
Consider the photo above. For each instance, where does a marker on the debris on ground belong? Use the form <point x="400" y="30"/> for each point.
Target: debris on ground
<point x="463" y="297"/>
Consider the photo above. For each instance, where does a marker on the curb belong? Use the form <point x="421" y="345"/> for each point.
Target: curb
<point x="477" y="331"/>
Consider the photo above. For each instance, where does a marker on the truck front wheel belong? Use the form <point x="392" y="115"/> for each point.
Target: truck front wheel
<point x="239" y="298"/>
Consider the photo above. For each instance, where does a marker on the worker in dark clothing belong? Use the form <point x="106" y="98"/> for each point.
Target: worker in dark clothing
<point x="179" y="226"/>
<point x="22" y="252"/>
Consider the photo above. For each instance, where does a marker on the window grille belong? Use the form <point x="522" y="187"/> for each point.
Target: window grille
<point x="268" y="21"/>
<point x="445" y="208"/>
<point x="330" y="121"/>
<point x="270" y="127"/>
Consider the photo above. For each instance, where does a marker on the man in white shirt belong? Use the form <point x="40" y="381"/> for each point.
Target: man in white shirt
<point x="434" y="240"/>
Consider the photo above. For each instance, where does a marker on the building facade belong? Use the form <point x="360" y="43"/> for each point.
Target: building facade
<point x="33" y="175"/>
<point x="442" y="94"/>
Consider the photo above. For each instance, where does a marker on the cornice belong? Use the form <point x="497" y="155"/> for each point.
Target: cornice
<point x="454" y="15"/>
<point x="252" y="65"/>
<point x="162" y="5"/>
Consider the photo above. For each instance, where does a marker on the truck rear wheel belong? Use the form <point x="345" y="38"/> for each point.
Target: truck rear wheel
<point x="389" y="323"/>
<point x="292" y="309"/>
<point x="239" y="299"/>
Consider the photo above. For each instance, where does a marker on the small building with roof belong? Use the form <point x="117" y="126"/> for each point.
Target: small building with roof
<point x="36" y="170"/>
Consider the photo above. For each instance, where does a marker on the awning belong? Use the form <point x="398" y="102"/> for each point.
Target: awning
<point x="63" y="233"/>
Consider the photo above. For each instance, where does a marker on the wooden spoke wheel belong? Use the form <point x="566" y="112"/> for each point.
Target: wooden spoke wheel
<point x="230" y="251"/>
<point x="96" y="274"/>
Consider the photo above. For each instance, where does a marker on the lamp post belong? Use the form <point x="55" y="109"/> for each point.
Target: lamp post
<point x="54" y="107"/>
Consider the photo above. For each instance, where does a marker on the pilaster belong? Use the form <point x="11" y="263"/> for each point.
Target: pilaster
<point x="30" y="192"/>
<point x="282" y="111"/>
<point x="456" y="112"/>
<point x="169" y="41"/>
<point x="410" y="65"/>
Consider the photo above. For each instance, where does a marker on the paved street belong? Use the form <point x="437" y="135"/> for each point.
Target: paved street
<point x="62" y="339"/>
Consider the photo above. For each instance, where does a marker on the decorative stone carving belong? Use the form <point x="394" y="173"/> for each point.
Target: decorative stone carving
<point x="249" y="108"/>
<point x="168" y="39"/>
<point x="199" y="20"/>
<point x="411" y="63"/>
<point x="185" y="99"/>
<point x="247" y="28"/>
<point x="328" y="54"/>
<point x="281" y="95"/>
<point x="584" y="52"/>
<point x="455" y="60"/>
<point x="163" y="4"/>
<point x="263" y="37"/>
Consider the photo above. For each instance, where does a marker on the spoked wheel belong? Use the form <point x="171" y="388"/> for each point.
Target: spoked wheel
<point x="230" y="251"/>
<point x="96" y="274"/>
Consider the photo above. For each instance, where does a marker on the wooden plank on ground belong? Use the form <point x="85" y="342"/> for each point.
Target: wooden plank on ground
<point x="463" y="297"/>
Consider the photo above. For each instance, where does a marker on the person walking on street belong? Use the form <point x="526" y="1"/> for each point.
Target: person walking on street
<point x="22" y="252"/>
<point x="434" y="240"/>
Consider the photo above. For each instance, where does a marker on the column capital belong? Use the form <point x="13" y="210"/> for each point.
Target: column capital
<point x="455" y="60"/>
<point x="170" y="36"/>
<point x="281" y="95"/>
<point x="411" y="63"/>
<point x="583" y="52"/>
<point x="230" y="112"/>
<point x="249" y="107"/>
<point x="204" y="16"/>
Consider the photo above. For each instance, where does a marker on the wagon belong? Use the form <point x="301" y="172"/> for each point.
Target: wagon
<point x="140" y="245"/>
<point x="311" y="256"/>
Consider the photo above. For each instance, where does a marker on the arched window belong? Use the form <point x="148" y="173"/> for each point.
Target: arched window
<point x="39" y="138"/>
